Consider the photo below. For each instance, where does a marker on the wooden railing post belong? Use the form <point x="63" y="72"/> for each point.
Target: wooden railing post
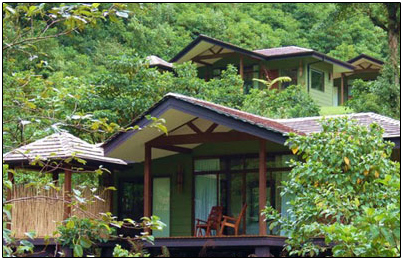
<point x="262" y="186"/>
<point x="67" y="194"/>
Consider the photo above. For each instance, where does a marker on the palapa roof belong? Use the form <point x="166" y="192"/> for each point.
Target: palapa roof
<point x="60" y="145"/>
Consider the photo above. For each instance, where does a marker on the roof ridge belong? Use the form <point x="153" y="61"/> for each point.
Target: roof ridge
<point x="294" y="46"/>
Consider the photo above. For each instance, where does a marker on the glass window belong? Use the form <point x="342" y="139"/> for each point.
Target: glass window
<point x="318" y="80"/>
<point x="293" y="74"/>
<point x="203" y="165"/>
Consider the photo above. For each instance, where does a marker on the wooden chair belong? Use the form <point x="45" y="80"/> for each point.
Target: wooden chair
<point x="233" y="222"/>
<point x="212" y="223"/>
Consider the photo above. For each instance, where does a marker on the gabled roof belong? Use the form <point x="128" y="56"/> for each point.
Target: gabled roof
<point x="310" y="125"/>
<point x="258" y="126"/>
<point x="156" y="61"/>
<point x="261" y="54"/>
<point x="365" y="57"/>
<point x="212" y="42"/>
<point x="60" y="146"/>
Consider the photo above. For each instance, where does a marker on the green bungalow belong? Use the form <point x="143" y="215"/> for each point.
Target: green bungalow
<point x="212" y="156"/>
<point x="216" y="164"/>
<point x="328" y="80"/>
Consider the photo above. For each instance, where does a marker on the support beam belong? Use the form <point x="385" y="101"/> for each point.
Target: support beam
<point x="241" y="66"/>
<point x="213" y="56"/>
<point x="212" y="128"/>
<point x="194" y="127"/>
<point x="164" y="140"/>
<point x="201" y="62"/>
<point x="176" y="149"/>
<point x="147" y="181"/>
<point x="262" y="186"/>
<point x="342" y="88"/>
<point x="67" y="194"/>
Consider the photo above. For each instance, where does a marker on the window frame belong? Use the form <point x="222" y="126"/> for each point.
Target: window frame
<point x="322" y="89"/>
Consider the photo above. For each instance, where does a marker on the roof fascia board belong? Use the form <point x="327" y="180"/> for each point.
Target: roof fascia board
<point x="218" y="43"/>
<point x="142" y="121"/>
<point x="202" y="112"/>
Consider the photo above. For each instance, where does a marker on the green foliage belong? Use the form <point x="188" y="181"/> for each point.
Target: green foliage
<point x="82" y="234"/>
<point x="346" y="189"/>
<point x="291" y="102"/>
<point x="381" y="96"/>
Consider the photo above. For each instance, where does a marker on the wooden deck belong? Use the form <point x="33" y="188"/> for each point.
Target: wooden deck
<point x="219" y="241"/>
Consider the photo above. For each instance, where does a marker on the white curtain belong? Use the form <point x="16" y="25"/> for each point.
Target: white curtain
<point x="205" y="195"/>
<point x="205" y="187"/>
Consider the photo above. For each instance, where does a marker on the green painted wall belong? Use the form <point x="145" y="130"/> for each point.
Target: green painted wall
<point x="322" y="98"/>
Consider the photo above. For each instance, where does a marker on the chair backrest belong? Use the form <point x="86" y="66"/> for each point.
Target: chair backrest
<point x="243" y="210"/>
<point x="215" y="216"/>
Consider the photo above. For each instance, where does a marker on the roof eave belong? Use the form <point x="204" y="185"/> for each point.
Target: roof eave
<point x="202" y="37"/>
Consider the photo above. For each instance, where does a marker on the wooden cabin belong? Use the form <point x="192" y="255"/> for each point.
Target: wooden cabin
<point x="327" y="80"/>
<point x="212" y="156"/>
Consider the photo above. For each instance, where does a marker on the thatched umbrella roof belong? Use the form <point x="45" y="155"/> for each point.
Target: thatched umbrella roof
<point x="59" y="146"/>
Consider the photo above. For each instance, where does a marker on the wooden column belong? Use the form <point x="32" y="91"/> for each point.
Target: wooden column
<point x="342" y="88"/>
<point x="241" y="70"/>
<point x="262" y="186"/>
<point x="11" y="179"/>
<point x="67" y="194"/>
<point x="9" y="194"/>
<point x="147" y="181"/>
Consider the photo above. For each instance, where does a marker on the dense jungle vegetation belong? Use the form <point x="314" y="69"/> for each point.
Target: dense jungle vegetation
<point x="82" y="68"/>
<point x="70" y="67"/>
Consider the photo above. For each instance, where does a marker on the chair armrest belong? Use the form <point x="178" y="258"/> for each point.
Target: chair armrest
<point x="199" y="220"/>
<point x="228" y="217"/>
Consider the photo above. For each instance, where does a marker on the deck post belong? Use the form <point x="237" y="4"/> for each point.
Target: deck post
<point x="262" y="186"/>
<point x="342" y="88"/>
<point x="147" y="181"/>
<point x="67" y="194"/>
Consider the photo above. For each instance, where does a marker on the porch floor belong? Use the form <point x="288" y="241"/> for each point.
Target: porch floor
<point x="218" y="241"/>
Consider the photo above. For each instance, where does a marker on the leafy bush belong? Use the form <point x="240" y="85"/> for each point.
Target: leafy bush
<point x="291" y="102"/>
<point x="381" y="96"/>
<point x="345" y="189"/>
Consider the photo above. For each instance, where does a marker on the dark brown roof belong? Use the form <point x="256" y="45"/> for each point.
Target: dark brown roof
<point x="311" y="124"/>
<point x="280" y="51"/>
<point x="60" y="146"/>
<point x="237" y="114"/>
<point x="301" y="126"/>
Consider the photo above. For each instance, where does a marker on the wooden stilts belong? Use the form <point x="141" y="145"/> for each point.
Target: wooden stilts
<point x="262" y="186"/>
